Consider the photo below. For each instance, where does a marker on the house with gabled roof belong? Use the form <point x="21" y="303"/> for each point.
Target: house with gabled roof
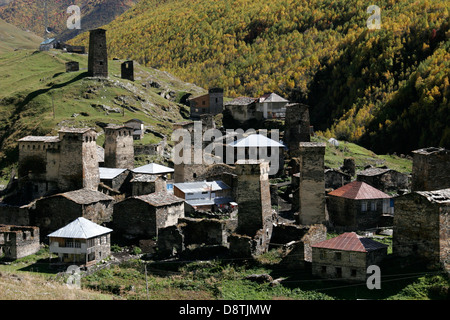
<point x="81" y="241"/>
<point x="53" y="212"/>
<point x="346" y="256"/>
<point x="359" y="206"/>
<point x="140" y="217"/>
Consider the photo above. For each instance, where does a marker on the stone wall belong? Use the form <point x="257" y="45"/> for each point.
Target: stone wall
<point x="431" y="169"/>
<point x="422" y="228"/>
<point x="18" y="241"/>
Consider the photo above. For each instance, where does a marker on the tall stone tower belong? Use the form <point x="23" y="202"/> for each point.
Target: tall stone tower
<point x="119" y="149"/>
<point x="253" y="196"/>
<point x="311" y="191"/>
<point x="431" y="169"/>
<point x="98" y="54"/>
<point x="78" y="163"/>
<point x="297" y="127"/>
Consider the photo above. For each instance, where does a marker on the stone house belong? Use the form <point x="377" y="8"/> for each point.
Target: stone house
<point x="53" y="212"/>
<point x="384" y="179"/>
<point x="242" y="109"/>
<point x="272" y="106"/>
<point x="335" y="178"/>
<point x="422" y="227"/>
<point x="210" y="103"/>
<point x="18" y="241"/>
<point x="140" y="217"/>
<point x="81" y="242"/>
<point x="296" y="127"/>
<point x="138" y="128"/>
<point x="358" y="206"/>
<point x="119" y="150"/>
<point x="346" y="256"/>
<point x="147" y="183"/>
<point x="115" y="178"/>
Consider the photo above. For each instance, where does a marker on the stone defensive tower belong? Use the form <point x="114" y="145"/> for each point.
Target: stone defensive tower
<point x="431" y="169"/>
<point x="119" y="149"/>
<point x="78" y="160"/>
<point x="253" y="196"/>
<point x="311" y="191"/>
<point x="127" y="70"/>
<point x="98" y="54"/>
<point x="297" y="127"/>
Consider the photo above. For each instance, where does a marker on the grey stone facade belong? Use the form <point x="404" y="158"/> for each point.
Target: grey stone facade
<point x="422" y="227"/>
<point x="141" y="217"/>
<point x="296" y="127"/>
<point x="18" y="241"/>
<point x="431" y="169"/>
<point x="119" y="150"/>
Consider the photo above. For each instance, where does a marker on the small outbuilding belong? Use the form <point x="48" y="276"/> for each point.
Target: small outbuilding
<point x="81" y="242"/>
<point x="358" y="206"/>
<point x="140" y="217"/>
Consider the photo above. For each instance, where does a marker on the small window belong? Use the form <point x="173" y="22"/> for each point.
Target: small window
<point x="324" y="269"/>
<point x="364" y="206"/>
<point x="339" y="272"/>
<point x="323" y="255"/>
<point x="338" y="256"/>
<point x="373" y="206"/>
<point x="353" y="273"/>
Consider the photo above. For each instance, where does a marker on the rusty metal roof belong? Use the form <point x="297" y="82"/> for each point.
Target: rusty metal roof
<point x="350" y="241"/>
<point x="358" y="190"/>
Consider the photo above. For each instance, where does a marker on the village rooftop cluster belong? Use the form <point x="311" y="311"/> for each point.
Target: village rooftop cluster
<point x="78" y="198"/>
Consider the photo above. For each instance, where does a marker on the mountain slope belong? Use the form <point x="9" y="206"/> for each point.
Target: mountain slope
<point x="319" y="52"/>
<point x="37" y="97"/>
<point x="29" y="15"/>
<point x="12" y="38"/>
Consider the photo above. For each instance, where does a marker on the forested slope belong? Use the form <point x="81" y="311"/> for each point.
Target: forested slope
<point x="320" y="52"/>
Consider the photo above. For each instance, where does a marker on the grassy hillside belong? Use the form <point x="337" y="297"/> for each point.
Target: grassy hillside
<point x="12" y="38"/>
<point x="363" y="85"/>
<point x="37" y="97"/>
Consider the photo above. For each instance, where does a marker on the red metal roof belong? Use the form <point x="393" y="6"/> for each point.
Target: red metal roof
<point x="358" y="190"/>
<point x="350" y="241"/>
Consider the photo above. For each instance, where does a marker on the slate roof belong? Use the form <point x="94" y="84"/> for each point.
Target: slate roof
<point x="358" y="190"/>
<point x="40" y="139"/>
<point x="273" y="97"/>
<point x="438" y="196"/>
<point x="240" y="101"/>
<point x="81" y="228"/>
<point x="158" y="199"/>
<point x="85" y="196"/>
<point x="350" y="241"/>
<point x="373" y="171"/>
